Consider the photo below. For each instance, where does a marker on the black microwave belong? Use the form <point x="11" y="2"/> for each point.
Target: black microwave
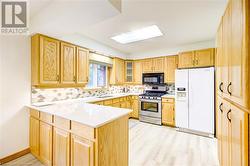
<point x="153" y="78"/>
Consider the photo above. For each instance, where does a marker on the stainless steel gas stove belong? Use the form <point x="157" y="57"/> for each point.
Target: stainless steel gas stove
<point x="150" y="104"/>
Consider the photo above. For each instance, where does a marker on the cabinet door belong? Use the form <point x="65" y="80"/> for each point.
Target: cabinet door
<point x="170" y="66"/>
<point x="135" y="108"/>
<point x="120" y="71"/>
<point x="45" y="143"/>
<point x="147" y="66"/>
<point x="168" y="113"/>
<point x="137" y="72"/>
<point x="82" y="151"/>
<point x="118" y="105"/>
<point x="204" y="58"/>
<point x="226" y="132"/>
<point x="219" y="123"/>
<point x="61" y="146"/>
<point x="186" y="59"/>
<point x="49" y="60"/>
<point x="82" y="65"/>
<point x="226" y="45"/>
<point x="219" y="61"/>
<point x="68" y="64"/>
<point x="34" y="136"/>
<point x="237" y="54"/>
<point x="239" y="137"/>
<point x="158" y="65"/>
<point x="129" y="71"/>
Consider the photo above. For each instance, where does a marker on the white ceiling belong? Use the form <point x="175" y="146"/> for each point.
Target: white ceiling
<point x="181" y="21"/>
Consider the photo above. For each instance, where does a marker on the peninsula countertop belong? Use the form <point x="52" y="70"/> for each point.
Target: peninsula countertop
<point x="80" y="110"/>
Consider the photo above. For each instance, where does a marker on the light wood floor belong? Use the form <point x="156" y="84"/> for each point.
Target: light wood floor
<point x="152" y="145"/>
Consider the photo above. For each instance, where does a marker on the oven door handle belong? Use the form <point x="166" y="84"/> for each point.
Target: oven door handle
<point x="150" y="101"/>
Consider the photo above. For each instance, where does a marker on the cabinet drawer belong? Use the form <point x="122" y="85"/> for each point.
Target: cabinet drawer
<point x="116" y="100"/>
<point x="168" y="100"/>
<point x="107" y="102"/>
<point x="62" y="123"/>
<point x="45" y="117"/>
<point x="82" y="130"/>
<point x="34" y="113"/>
<point x="134" y="97"/>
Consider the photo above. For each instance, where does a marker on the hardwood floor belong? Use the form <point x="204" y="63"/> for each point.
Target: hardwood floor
<point x="152" y="145"/>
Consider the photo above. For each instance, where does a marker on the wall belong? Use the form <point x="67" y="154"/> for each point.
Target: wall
<point x="15" y="94"/>
<point x="173" y="51"/>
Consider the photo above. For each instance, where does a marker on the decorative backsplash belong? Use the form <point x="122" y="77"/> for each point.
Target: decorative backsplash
<point x="57" y="94"/>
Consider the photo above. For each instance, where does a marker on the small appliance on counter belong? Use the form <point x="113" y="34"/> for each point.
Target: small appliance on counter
<point x="150" y="104"/>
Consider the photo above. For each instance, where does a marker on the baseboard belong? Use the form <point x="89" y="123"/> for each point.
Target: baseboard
<point x="14" y="156"/>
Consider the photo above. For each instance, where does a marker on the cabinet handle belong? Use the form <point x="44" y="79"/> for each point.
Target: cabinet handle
<point x="228" y="116"/>
<point x="220" y="86"/>
<point x="228" y="88"/>
<point x="74" y="78"/>
<point x="220" y="107"/>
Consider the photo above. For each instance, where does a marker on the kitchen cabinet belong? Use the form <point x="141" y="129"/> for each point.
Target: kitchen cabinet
<point x="34" y="136"/>
<point x="154" y="65"/>
<point x="45" y="60"/>
<point x="61" y="147"/>
<point x="137" y="72"/>
<point x="232" y="134"/>
<point x="82" y="151"/>
<point x="233" y="66"/>
<point x="134" y="107"/>
<point x="56" y="63"/>
<point x="219" y="61"/>
<point x="117" y="72"/>
<point x="171" y="63"/>
<point x="168" y="111"/>
<point x="68" y="63"/>
<point x="129" y="69"/>
<point x="82" y="66"/>
<point x="197" y="58"/>
<point x="45" y="154"/>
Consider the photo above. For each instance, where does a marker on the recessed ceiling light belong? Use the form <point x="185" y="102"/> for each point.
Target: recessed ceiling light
<point x="139" y="34"/>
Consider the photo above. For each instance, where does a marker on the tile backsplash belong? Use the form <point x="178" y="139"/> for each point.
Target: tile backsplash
<point x="57" y="94"/>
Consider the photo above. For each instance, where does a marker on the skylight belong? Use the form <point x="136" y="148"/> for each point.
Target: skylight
<point x="138" y="35"/>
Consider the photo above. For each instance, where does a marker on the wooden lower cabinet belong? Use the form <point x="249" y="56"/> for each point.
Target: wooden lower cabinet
<point x="45" y="143"/>
<point x="82" y="151"/>
<point x="134" y="107"/>
<point x="168" y="112"/>
<point x="232" y="134"/>
<point x="61" y="147"/>
<point x="75" y="144"/>
<point x="34" y="136"/>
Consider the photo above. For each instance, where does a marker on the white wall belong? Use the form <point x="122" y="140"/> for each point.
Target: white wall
<point x="173" y="51"/>
<point x="14" y="94"/>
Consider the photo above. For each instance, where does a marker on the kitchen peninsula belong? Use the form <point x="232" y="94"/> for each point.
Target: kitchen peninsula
<point x="78" y="133"/>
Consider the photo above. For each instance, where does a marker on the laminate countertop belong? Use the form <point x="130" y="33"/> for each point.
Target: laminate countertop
<point x="80" y="110"/>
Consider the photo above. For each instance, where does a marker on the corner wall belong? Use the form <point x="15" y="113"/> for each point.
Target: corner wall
<point x="15" y="90"/>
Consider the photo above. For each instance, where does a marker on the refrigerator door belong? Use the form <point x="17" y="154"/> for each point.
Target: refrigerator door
<point x="201" y="100"/>
<point x="181" y="98"/>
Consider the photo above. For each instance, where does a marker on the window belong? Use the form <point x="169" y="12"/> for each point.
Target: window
<point x="97" y="75"/>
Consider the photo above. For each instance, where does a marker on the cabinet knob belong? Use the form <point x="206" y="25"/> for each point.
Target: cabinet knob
<point x="74" y="78"/>
<point x="57" y="78"/>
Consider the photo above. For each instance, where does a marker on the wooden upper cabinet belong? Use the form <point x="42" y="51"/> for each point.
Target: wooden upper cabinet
<point x="117" y="72"/>
<point x="197" y="58"/>
<point x="204" y="58"/>
<point x="154" y="65"/>
<point x="68" y="65"/>
<point x="82" y="66"/>
<point x="186" y="59"/>
<point x="147" y="66"/>
<point x="137" y="72"/>
<point x="45" y="60"/>
<point x="171" y="63"/>
<point x="129" y="70"/>
<point x="219" y="61"/>
<point x="158" y="65"/>
<point x="58" y="64"/>
<point x="82" y="151"/>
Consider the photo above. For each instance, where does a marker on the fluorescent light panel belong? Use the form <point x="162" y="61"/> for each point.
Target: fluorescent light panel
<point x="137" y="35"/>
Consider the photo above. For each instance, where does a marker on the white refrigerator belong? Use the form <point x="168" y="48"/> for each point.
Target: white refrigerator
<point x="194" y="106"/>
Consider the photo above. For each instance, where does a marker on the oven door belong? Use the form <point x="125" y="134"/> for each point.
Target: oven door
<point x="150" y="108"/>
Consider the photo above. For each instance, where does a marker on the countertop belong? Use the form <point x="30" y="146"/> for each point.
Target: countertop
<point x="79" y="110"/>
<point x="169" y="96"/>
